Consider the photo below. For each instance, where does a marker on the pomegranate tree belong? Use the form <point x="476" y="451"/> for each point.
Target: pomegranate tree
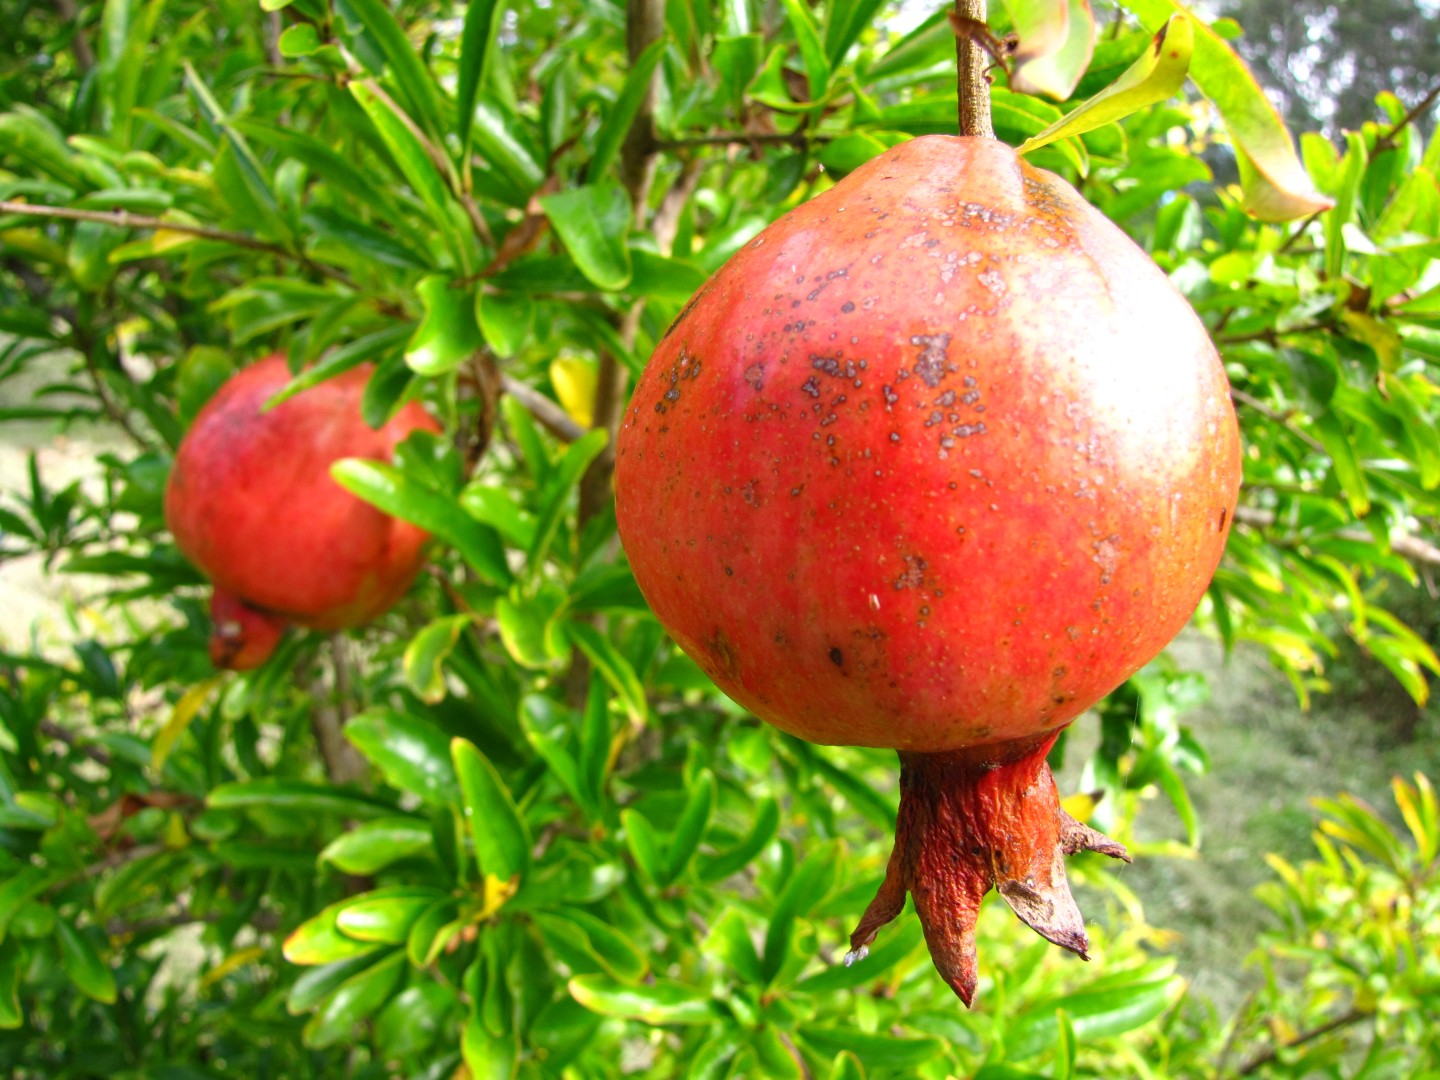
<point x="934" y="463"/>
<point x="251" y="502"/>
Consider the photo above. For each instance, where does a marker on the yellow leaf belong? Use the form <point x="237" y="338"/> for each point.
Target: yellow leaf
<point x="233" y="962"/>
<point x="184" y="712"/>
<point x="574" y="380"/>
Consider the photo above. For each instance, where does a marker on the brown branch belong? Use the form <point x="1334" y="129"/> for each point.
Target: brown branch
<point x="344" y="765"/>
<point x="798" y="139"/>
<point x="1408" y="546"/>
<point x="123" y="219"/>
<point x="1283" y="419"/>
<point x="53" y="730"/>
<point x="79" y="44"/>
<point x="551" y="416"/>
<point x="1387" y="141"/>
<point x="1259" y="1061"/>
<point x="972" y="68"/>
<point x="120" y="858"/>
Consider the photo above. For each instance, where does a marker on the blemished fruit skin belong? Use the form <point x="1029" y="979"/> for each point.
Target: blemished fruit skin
<point x="251" y="502"/>
<point x="939" y="459"/>
<point x="935" y="462"/>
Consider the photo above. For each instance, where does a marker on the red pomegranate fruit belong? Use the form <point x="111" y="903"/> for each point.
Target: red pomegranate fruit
<point x="934" y="463"/>
<point x="251" y="502"/>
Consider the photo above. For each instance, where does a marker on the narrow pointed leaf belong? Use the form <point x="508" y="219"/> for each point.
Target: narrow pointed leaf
<point x="502" y="840"/>
<point x="619" y="118"/>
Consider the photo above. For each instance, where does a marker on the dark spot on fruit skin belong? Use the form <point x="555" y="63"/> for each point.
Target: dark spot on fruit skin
<point x="836" y="656"/>
<point x="722" y="652"/>
<point x="1224" y="516"/>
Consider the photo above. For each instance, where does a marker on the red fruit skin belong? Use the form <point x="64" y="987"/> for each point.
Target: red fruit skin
<point x="243" y="637"/>
<point x="937" y="460"/>
<point x="251" y="502"/>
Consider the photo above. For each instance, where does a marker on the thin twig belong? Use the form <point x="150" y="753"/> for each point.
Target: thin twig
<point x="1387" y="141"/>
<point x="79" y="44"/>
<point x="1283" y="419"/>
<point x="121" y="857"/>
<point x="551" y="416"/>
<point x="1259" y="1061"/>
<point x="123" y="219"/>
<point x="799" y="139"/>
<point x="53" y="730"/>
<point x="1408" y="546"/>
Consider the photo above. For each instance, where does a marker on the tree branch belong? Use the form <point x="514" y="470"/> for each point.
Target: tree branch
<point x="1283" y="419"/>
<point x="123" y="219"/>
<point x="1408" y="546"/>
<point x="551" y="416"/>
<point x="1387" y="141"/>
<point x="1259" y="1061"/>
<point x="972" y="68"/>
<point x="53" y="730"/>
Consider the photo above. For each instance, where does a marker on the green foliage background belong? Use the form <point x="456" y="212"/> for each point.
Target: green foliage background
<point x="545" y="845"/>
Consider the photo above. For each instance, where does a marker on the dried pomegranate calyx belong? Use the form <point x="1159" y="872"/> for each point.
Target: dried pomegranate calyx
<point x="969" y="821"/>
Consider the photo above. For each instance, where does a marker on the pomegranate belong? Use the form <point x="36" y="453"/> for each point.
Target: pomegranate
<point x="251" y="502"/>
<point x="934" y="463"/>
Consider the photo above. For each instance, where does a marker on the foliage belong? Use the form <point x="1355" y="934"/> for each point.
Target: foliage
<point x="564" y="853"/>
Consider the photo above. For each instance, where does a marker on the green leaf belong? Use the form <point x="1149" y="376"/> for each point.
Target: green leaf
<point x="374" y="845"/>
<point x="237" y="155"/>
<point x="418" y="88"/>
<point x="885" y="1051"/>
<point x="500" y="137"/>
<point x="563" y="479"/>
<point x="83" y="965"/>
<point x="662" y="1002"/>
<point x="393" y="491"/>
<point x="1276" y="185"/>
<point x="613" y="667"/>
<point x="505" y="320"/>
<point x="1056" y="40"/>
<point x="413" y="754"/>
<point x="619" y="118"/>
<point x="1349" y="473"/>
<point x="357" y="998"/>
<point x="767" y="820"/>
<point x="846" y="1066"/>
<point x="301" y="39"/>
<point x="385" y="919"/>
<point x="432" y="931"/>
<point x="475" y="45"/>
<point x="729" y="942"/>
<point x="278" y="793"/>
<point x="502" y="839"/>
<point x="11" y="1014"/>
<point x="619" y="956"/>
<point x="812" y="51"/>
<point x="348" y="356"/>
<point x="810" y="882"/>
<point x="448" y="335"/>
<point x="488" y="1056"/>
<point x="845" y="20"/>
<point x="408" y="153"/>
<point x="425" y="656"/>
<point x="319" y="939"/>
<point x="1157" y="75"/>
<point x="691" y="826"/>
<point x="593" y="222"/>
<point x="893" y="946"/>
<point x="1094" y="1014"/>
<point x="644" y="844"/>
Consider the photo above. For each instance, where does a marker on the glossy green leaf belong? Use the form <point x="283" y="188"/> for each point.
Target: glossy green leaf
<point x="644" y="844"/>
<point x="424" y="661"/>
<point x="408" y="153"/>
<point x="357" y="998"/>
<point x="1276" y="185"/>
<point x="1093" y="1014"/>
<point x="663" y="1001"/>
<point x="563" y="479"/>
<point x="505" y="321"/>
<point x="762" y="832"/>
<point x="299" y="40"/>
<point x="432" y="932"/>
<point x="1157" y="75"/>
<point x="812" y="50"/>
<point x="418" y="88"/>
<point x="12" y="1015"/>
<point x="690" y="827"/>
<point x="729" y="942"/>
<point x="374" y="845"/>
<point x="899" y="940"/>
<point x="874" y="1051"/>
<point x="616" y="953"/>
<point x="845" y="20"/>
<point x="278" y="793"/>
<point x="501" y="837"/>
<point x="386" y="487"/>
<point x="593" y="221"/>
<point x="500" y="508"/>
<point x="350" y="355"/>
<point x="807" y="886"/>
<point x="475" y="43"/>
<point x="83" y="965"/>
<point x="488" y="1056"/>
<point x="386" y="920"/>
<point x="412" y="753"/>
<point x="448" y="335"/>
<point x="846" y="1066"/>
<point x="562" y="1030"/>
<point x="253" y="184"/>
<point x="612" y="665"/>
<point x="621" y="116"/>
<point x="1349" y="473"/>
